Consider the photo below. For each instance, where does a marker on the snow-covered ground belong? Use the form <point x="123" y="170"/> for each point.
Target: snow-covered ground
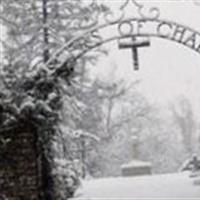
<point x="166" y="186"/>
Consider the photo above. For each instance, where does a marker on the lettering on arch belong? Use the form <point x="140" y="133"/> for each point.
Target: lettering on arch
<point x="162" y="29"/>
<point x="133" y="27"/>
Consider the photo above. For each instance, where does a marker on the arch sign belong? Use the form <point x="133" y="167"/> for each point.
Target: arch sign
<point x="162" y="29"/>
<point x="130" y="32"/>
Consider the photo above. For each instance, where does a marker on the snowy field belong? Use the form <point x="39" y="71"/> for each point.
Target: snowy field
<point x="168" y="186"/>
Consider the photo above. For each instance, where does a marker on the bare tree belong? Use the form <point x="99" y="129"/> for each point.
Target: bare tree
<point x="184" y="119"/>
<point x="35" y="29"/>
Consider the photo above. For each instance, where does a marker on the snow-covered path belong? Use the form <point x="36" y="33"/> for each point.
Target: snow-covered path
<point x="171" y="186"/>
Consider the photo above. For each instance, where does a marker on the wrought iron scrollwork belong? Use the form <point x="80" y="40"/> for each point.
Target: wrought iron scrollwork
<point x="113" y="17"/>
<point x="152" y="13"/>
<point x="143" y="11"/>
<point x="88" y="26"/>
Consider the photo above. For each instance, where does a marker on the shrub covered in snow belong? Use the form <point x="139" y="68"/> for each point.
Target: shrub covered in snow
<point x="66" y="176"/>
<point x="35" y="101"/>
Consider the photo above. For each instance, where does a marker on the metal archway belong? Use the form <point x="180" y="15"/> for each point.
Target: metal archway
<point x="117" y="26"/>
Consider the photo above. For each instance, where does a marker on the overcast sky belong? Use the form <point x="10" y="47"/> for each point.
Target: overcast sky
<point x="167" y="69"/>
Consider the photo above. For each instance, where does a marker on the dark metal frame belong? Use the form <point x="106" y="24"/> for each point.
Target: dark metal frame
<point x="118" y="19"/>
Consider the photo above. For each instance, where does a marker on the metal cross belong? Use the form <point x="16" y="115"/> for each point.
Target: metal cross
<point x="134" y="45"/>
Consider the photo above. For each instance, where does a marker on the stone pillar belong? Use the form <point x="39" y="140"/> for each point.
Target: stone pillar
<point x="135" y="147"/>
<point x="19" y="166"/>
<point x="136" y="167"/>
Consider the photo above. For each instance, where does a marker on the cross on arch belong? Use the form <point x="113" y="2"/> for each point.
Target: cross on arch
<point x="134" y="44"/>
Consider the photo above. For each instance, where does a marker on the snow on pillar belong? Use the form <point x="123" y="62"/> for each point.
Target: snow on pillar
<point x="136" y="167"/>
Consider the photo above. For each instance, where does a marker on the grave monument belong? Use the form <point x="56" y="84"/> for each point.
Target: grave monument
<point x="136" y="167"/>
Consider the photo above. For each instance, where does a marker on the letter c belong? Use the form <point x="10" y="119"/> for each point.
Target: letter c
<point x="163" y="29"/>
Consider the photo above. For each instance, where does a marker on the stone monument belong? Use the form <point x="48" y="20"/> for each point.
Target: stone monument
<point x="136" y="167"/>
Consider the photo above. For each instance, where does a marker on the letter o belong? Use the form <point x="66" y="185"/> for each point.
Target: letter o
<point x="125" y="28"/>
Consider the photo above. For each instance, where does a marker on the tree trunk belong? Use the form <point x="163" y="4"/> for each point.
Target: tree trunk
<point x="45" y="30"/>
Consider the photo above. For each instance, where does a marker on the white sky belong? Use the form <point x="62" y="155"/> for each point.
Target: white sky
<point x="167" y="69"/>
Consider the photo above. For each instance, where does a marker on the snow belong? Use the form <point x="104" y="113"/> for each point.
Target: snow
<point x="166" y="186"/>
<point x="137" y="163"/>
